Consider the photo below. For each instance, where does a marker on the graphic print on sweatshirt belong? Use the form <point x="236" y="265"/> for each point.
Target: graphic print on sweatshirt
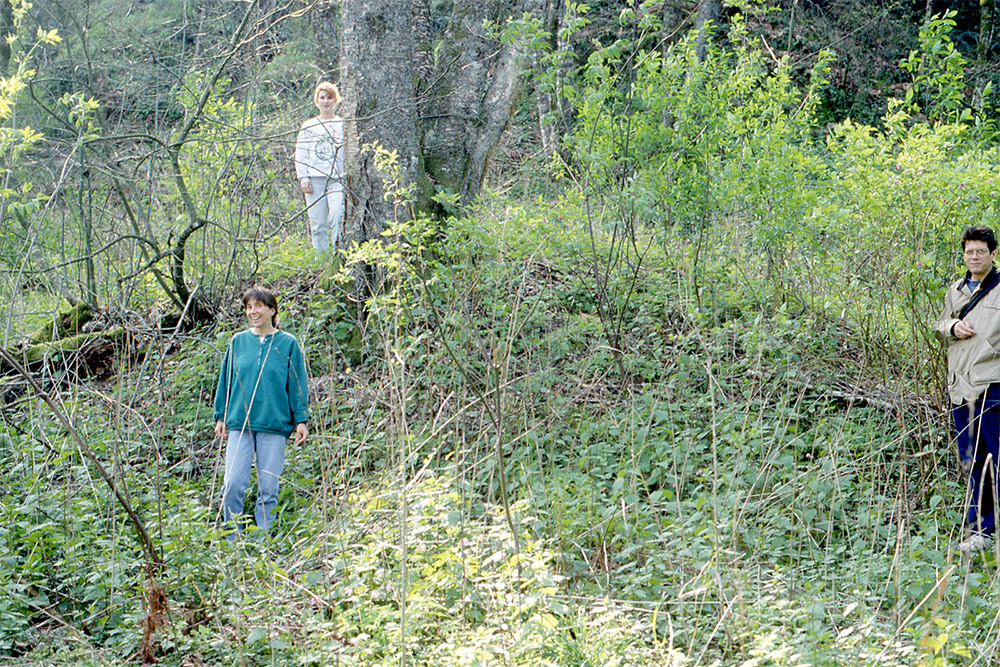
<point x="325" y="148"/>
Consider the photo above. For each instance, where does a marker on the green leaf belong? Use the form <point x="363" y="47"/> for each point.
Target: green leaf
<point x="256" y="635"/>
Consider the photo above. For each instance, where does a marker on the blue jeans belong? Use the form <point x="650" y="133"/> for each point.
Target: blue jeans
<point x="978" y="435"/>
<point x="326" y="212"/>
<point x="270" y="451"/>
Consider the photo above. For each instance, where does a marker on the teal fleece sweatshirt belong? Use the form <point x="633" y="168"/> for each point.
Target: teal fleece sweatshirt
<point x="266" y="379"/>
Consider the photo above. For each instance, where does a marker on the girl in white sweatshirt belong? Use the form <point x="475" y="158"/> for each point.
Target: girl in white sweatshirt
<point x="319" y="165"/>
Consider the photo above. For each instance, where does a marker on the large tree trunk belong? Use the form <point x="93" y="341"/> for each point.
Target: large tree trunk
<point x="6" y="30"/>
<point x="486" y="122"/>
<point x="987" y="9"/>
<point x="555" y="113"/>
<point x="709" y="12"/>
<point x="326" y="30"/>
<point x="380" y="108"/>
<point x="468" y="98"/>
<point x="675" y="19"/>
<point x="429" y="81"/>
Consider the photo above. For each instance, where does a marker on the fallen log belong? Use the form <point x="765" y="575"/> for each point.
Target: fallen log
<point x="85" y="354"/>
<point x="75" y="343"/>
<point x="69" y="340"/>
<point x="63" y="325"/>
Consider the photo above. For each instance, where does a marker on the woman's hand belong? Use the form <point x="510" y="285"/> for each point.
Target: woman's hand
<point x="306" y="185"/>
<point x="301" y="433"/>
<point x="220" y="429"/>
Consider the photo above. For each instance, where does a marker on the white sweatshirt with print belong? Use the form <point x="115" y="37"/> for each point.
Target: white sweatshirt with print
<point x="319" y="149"/>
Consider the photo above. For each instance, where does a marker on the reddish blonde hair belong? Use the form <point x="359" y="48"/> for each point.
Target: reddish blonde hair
<point x="328" y="87"/>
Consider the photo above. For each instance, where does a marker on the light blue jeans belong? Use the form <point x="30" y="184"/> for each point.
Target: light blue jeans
<point x="326" y="212"/>
<point x="270" y="451"/>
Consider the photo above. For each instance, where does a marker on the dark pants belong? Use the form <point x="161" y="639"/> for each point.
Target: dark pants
<point x="978" y="432"/>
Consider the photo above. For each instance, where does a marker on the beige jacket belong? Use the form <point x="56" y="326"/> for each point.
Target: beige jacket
<point x="973" y="363"/>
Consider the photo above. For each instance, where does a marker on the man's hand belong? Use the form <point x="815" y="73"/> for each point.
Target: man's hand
<point x="220" y="430"/>
<point x="301" y="433"/>
<point x="306" y="185"/>
<point x="963" y="330"/>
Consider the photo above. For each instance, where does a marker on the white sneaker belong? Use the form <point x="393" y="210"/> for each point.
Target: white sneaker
<point x="975" y="542"/>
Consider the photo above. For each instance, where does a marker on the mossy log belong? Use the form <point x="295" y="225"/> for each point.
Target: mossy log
<point x="63" y="325"/>
<point x="75" y="343"/>
<point x="82" y="354"/>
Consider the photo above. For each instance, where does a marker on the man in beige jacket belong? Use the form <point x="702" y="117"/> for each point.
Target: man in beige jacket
<point x="970" y="327"/>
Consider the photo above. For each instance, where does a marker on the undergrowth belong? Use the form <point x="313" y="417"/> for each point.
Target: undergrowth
<point x="724" y="502"/>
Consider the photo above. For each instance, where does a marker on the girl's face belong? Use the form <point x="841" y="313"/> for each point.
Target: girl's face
<point x="325" y="101"/>
<point x="260" y="314"/>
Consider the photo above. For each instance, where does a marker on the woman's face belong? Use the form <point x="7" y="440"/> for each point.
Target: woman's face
<point x="259" y="313"/>
<point x="325" y="101"/>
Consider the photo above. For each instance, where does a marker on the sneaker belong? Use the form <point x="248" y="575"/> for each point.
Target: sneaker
<point x="975" y="542"/>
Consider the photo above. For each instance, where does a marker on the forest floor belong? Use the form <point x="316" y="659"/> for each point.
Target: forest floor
<point x="489" y="482"/>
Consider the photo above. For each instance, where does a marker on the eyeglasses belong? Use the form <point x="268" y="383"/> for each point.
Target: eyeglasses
<point x="976" y="252"/>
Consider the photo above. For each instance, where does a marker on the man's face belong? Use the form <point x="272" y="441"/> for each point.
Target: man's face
<point x="978" y="258"/>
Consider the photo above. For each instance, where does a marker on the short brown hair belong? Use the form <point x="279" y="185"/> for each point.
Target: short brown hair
<point x="265" y="296"/>
<point x="328" y="87"/>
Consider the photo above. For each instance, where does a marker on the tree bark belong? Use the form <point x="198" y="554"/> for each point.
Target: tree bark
<point x="987" y="9"/>
<point x="429" y="81"/>
<point x="504" y="87"/>
<point x="453" y="101"/>
<point x="379" y="108"/>
<point x="326" y="30"/>
<point x="709" y="12"/>
<point x="469" y="97"/>
<point x="423" y="41"/>
<point x="6" y="30"/>
<point x="548" y="94"/>
<point x="673" y="19"/>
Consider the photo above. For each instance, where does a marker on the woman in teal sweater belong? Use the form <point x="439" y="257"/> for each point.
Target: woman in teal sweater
<point x="262" y="398"/>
